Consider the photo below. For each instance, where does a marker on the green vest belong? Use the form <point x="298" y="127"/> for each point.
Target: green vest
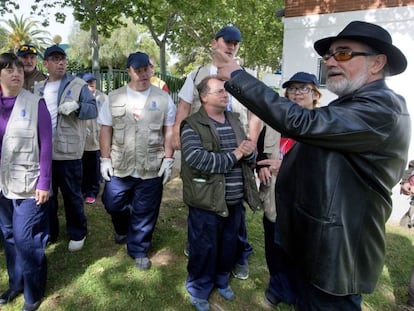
<point x="205" y="190"/>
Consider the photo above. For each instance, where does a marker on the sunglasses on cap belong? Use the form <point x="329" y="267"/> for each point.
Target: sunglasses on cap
<point x="345" y="55"/>
<point x="25" y="48"/>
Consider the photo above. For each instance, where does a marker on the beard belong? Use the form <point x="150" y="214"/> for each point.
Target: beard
<point x="345" y="86"/>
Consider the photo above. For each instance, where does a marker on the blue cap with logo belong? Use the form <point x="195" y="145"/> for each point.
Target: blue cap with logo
<point x="229" y="33"/>
<point x="302" y="77"/>
<point x="88" y="77"/>
<point x="137" y="60"/>
<point x="26" y="49"/>
<point x="54" y="49"/>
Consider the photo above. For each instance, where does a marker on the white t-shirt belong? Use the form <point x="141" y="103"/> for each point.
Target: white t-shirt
<point x="138" y="99"/>
<point x="187" y="90"/>
<point x="50" y="96"/>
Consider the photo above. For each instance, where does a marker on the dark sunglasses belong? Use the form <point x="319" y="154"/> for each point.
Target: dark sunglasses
<point x="345" y="55"/>
<point x="25" y="48"/>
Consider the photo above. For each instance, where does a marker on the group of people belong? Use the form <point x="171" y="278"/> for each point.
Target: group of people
<point x="326" y="173"/>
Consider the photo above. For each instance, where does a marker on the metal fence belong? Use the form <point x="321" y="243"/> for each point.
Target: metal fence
<point x="112" y="79"/>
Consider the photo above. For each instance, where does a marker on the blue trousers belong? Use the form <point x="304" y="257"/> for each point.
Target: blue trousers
<point x="91" y="176"/>
<point x="134" y="205"/>
<point x="244" y="249"/>
<point x="288" y="284"/>
<point x="213" y="248"/>
<point x="24" y="231"/>
<point x="67" y="176"/>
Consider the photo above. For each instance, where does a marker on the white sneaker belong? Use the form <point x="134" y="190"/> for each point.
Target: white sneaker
<point x="76" y="245"/>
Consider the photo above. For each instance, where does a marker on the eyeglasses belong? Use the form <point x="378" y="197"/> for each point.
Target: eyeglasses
<point x="218" y="92"/>
<point x="56" y="59"/>
<point x="25" y="48"/>
<point x="345" y="55"/>
<point x="300" y="89"/>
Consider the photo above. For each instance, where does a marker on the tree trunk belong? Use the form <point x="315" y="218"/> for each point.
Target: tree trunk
<point x="95" y="54"/>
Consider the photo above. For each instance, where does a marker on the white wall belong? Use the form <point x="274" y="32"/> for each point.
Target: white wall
<point x="298" y="54"/>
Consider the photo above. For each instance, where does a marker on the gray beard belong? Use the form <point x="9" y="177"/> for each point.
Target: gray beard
<point x="345" y="86"/>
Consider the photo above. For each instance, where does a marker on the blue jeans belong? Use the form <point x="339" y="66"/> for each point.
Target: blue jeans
<point x="24" y="231"/>
<point x="213" y="249"/>
<point x="244" y="249"/>
<point x="91" y="176"/>
<point x="134" y="205"/>
<point x="67" y="176"/>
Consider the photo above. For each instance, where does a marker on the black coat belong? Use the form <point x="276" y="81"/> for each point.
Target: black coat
<point x="333" y="192"/>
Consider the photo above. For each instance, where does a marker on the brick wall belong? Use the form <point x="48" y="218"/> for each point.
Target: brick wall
<point x="311" y="7"/>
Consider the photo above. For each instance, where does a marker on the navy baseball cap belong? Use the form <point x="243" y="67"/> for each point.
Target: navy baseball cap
<point x="229" y="33"/>
<point x="54" y="49"/>
<point x="137" y="60"/>
<point x="88" y="77"/>
<point x="26" y="49"/>
<point x="302" y="77"/>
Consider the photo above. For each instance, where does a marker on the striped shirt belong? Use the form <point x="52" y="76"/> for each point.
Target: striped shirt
<point x="224" y="162"/>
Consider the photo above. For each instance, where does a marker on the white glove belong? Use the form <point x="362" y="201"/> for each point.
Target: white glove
<point x="107" y="171"/>
<point x="67" y="108"/>
<point x="166" y="169"/>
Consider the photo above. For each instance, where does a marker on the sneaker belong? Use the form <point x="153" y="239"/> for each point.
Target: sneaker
<point x="271" y="299"/>
<point x="75" y="246"/>
<point x="226" y="293"/>
<point x="8" y="296"/>
<point x="120" y="238"/>
<point x="241" y="271"/>
<point x="142" y="263"/>
<point x="200" y="304"/>
<point x="90" y="200"/>
<point x="31" y="306"/>
<point x="187" y="249"/>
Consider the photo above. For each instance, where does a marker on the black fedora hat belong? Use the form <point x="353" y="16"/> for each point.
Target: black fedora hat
<point x="374" y="36"/>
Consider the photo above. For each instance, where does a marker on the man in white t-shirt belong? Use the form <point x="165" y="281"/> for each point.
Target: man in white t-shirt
<point x="136" y="156"/>
<point x="70" y="104"/>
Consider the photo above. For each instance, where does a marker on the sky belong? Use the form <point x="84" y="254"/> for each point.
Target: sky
<point x="54" y="28"/>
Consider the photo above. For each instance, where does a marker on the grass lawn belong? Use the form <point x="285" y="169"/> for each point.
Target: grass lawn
<point x="103" y="277"/>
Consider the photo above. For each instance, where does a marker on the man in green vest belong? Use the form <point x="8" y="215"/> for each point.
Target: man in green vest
<point x="217" y="178"/>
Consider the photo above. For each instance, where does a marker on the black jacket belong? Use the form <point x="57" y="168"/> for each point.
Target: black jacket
<point x="333" y="192"/>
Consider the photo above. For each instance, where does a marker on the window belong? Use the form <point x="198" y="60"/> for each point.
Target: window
<point x="321" y="72"/>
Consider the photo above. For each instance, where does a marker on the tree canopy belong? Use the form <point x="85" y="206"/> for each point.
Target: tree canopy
<point x="185" y="27"/>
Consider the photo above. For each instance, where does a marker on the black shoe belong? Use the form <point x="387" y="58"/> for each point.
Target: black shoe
<point x="31" y="307"/>
<point x="271" y="299"/>
<point x="120" y="238"/>
<point x="8" y="296"/>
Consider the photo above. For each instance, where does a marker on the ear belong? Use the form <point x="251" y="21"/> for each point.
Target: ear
<point x="378" y="63"/>
<point x="214" y="44"/>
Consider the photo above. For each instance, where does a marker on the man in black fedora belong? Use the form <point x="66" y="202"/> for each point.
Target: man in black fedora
<point x="333" y="192"/>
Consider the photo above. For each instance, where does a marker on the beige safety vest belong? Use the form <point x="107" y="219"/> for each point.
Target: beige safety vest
<point x="267" y="193"/>
<point x="138" y="141"/>
<point x="92" y="126"/>
<point x="70" y="135"/>
<point x="20" y="158"/>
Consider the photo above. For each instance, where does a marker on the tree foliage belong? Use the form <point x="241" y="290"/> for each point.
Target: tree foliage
<point x="115" y="49"/>
<point x="184" y="26"/>
<point x="20" y="30"/>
